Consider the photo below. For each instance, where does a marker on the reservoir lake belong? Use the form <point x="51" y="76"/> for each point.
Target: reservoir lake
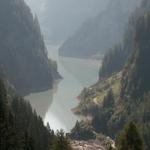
<point x="55" y="105"/>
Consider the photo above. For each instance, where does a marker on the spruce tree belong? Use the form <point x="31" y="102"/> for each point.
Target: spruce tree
<point x="130" y="138"/>
<point x="7" y="129"/>
<point x="61" y="142"/>
<point x="109" y="100"/>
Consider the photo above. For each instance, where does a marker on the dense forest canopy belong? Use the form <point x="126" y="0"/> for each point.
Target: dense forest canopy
<point x="22" y="129"/>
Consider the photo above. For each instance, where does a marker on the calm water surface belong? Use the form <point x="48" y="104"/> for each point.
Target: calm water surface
<point x="55" y="105"/>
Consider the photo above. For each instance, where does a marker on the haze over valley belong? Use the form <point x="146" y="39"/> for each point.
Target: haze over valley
<point x="74" y="74"/>
<point x="60" y="19"/>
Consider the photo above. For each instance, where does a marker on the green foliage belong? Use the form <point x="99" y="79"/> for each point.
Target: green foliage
<point x="116" y="57"/>
<point x="136" y="73"/>
<point x="133" y="99"/>
<point x="112" y="62"/>
<point x="8" y="138"/>
<point x="30" y="128"/>
<point x="82" y="131"/>
<point x="60" y="142"/>
<point x="109" y="101"/>
<point x="104" y="113"/>
<point x="130" y="139"/>
<point x="135" y="84"/>
<point x="22" y="129"/>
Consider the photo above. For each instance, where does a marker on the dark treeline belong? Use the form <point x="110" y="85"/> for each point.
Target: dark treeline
<point x="129" y="138"/>
<point x="117" y="56"/>
<point x="22" y="129"/>
<point x="113" y="62"/>
<point x="133" y="103"/>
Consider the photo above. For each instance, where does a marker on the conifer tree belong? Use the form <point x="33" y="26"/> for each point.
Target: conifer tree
<point x="130" y="138"/>
<point x="61" y="142"/>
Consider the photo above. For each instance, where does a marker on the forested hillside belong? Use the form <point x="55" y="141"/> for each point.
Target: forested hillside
<point x="99" y="34"/>
<point x="116" y="57"/>
<point x="123" y="96"/>
<point x="22" y="129"/>
<point x="23" y="55"/>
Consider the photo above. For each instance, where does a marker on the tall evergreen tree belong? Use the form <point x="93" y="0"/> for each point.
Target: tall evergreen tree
<point x="130" y="138"/>
<point x="7" y="129"/>
<point x="61" y="142"/>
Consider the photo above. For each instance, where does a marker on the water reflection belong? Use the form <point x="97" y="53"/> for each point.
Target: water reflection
<point x="42" y="101"/>
<point x="84" y="70"/>
<point x="64" y="101"/>
<point x="55" y="105"/>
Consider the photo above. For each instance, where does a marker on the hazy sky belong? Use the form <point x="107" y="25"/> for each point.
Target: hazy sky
<point x="62" y="17"/>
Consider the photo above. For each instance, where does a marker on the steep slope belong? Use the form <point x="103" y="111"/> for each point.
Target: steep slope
<point x="124" y="96"/>
<point x="99" y="34"/>
<point x="136" y="73"/>
<point x="23" y="54"/>
<point x="22" y="129"/>
<point x="113" y="62"/>
<point x="135" y="84"/>
<point x="115" y="59"/>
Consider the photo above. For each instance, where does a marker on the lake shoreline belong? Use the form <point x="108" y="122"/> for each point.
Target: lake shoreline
<point x="56" y="104"/>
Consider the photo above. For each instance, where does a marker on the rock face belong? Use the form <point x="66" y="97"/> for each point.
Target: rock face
<point x="99" y="34"/>
<point x="23" y="55"/>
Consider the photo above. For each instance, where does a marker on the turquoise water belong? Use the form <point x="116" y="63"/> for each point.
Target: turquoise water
<point x="55" y="105"/>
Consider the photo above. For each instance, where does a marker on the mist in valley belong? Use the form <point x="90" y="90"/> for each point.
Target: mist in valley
<point x="74" y="74"/>
<point x="61" y="18"/>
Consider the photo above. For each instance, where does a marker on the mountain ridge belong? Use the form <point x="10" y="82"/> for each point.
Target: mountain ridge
<point x="23" y="54"/>
<point x="90" y="39"/>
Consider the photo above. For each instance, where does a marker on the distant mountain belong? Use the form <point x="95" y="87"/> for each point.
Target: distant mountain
<point x="115" y="59"/>
<point x="60" y="19"/>
<point x="99" y="34"/>
<point x="23" y="55"/>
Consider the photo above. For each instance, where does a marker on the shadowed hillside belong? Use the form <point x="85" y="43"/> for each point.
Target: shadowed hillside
<point x="23" y="54"/>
